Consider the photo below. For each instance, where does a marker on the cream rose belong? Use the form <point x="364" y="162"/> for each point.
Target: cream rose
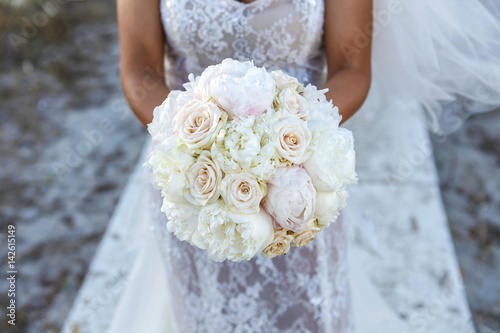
<point x="198" y="123"/>
<point x="284" y="81"/>
<point x="290" y="101"/>
<point x="280" y="244"/>
<point x="233" y="236"/>
<point x="242" y="192"/>
<point x="292" y="138"/>
<point x="307" y="235"/>
<point x="291" y="198"/>
<point x="204" y="178"/>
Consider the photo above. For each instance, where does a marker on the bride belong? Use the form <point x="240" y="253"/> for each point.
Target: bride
<point x="324" y="42"/>
<point x="306" y="290"/>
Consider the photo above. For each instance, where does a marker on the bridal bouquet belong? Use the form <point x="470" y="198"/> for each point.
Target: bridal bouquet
<point x="248" y="161"/>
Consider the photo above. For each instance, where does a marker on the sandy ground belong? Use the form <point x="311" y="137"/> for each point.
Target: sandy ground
<point x="68" y="143"/>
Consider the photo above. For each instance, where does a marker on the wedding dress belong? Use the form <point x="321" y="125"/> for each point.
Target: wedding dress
<point x="422" y="50"/>
<point x="307" y="289"/>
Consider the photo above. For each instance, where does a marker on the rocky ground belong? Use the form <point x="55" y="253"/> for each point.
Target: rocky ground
<point x="68" y="143"/>
<point x="468" y="164"/>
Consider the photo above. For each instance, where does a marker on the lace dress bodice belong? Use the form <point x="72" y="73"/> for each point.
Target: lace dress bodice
<point x="306" y="290"/>
<point x="276" y="34"/>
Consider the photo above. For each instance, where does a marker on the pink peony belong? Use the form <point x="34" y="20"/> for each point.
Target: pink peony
<point x="291" y="198"/>
<point x="239" y="88"/>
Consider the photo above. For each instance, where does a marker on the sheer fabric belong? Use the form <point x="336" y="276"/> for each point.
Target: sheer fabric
<point x="307" y="289"/>
<point x="444" y="54"/>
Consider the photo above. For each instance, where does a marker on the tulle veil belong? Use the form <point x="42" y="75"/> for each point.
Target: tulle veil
<point x="445" y="54"/>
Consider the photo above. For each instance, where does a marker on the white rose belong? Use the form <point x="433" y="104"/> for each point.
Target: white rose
<point x="168" y="167"/>
<point x="333" y="161"/>
<point x="242" y="192"/>
<point x="292" y="139"/>
<point x="290" y="101"/>
<point x="198" y="123"/>
<point x="290" y="198"/>
<point x="204" y="178"/>
<point x="239" y="88"/>
<point x="284" y="81"/>
<point x="328" y="206"/>
<point x="233" y="236"/>
<point x="183" y="222"/>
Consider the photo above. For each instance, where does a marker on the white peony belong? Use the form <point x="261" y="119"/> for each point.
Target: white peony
<point x="224" y="160"/>
<point x="240" y="141"/>
<point x="233" y="236"/>
<point x="242" y="192"/>
<point x="183" y="222"/>
<point x="239" y="88"/>
<point x="332" y="164"/>
<point x="322" y="113"/>
<point x="328" y="206"/>
<point x="162" y="125"/>
<point x="198" y="123"/>
<point x="290" y="198"/>
<point x="204" y="178"/>
<point x="239" y="147"/>
<point x="313" y="95"/>
<point x="168" y="167"/>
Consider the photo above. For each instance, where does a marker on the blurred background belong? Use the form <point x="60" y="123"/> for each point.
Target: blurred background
<point x="68" y="143"/>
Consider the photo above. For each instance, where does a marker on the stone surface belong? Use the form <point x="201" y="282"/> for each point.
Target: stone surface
<point x="468" y="162"/>
<point x="63" y="166"/>
<point x="400" y="235"/>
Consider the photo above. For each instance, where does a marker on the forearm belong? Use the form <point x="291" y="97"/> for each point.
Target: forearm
<point x="144" y="90"/>
<point x="348" y="89"/>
